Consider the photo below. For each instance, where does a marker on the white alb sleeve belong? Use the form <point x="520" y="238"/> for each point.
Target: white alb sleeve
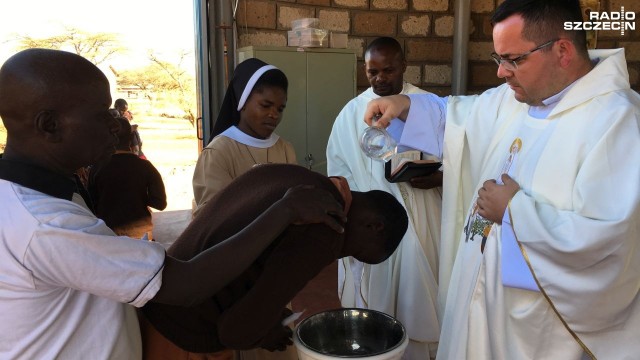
<point x="424" y="128"/>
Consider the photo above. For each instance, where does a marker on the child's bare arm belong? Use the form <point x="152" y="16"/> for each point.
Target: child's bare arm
<point x="299" y="256"/>
<point x="190" y="282"/>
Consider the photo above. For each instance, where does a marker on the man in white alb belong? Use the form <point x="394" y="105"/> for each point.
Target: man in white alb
<point x="542" y="196"/>
<point x="405" y="285"/>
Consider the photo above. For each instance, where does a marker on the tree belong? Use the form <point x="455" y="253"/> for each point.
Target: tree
<point x="165" y="79"/>
<point x="161" y="77"/>
<point x="145" y="78"/>
<point x="178" y="84"/>
<point x="95" y="47"/>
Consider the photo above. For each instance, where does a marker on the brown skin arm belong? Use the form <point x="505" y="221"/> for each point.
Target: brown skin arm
<point x="190" y="282"/>
<point x="427" y="182"/>
<point x="494" y="198"/>
<point x="255" y="319"/>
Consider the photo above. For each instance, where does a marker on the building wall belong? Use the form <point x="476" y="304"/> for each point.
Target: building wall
<point x="423" y="27"/>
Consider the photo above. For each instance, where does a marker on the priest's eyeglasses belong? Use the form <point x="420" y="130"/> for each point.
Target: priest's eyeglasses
<point x="512" y="64"/>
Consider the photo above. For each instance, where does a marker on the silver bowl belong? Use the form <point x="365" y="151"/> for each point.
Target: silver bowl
<point x="351" y="333"/>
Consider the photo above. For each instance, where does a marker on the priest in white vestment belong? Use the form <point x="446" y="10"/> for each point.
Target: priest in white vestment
<point x="541" y="196"/>
<point x="405" y="285"/>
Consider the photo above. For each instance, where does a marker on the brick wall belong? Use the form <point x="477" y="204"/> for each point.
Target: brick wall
<point x="423" y="27"/>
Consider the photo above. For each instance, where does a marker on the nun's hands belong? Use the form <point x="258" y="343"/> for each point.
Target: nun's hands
<point x="309" y="205"/>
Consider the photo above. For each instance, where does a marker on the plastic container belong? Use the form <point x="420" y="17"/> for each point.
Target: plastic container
<point x="308" y="38"/>
<point x="305" y="23"/>
<point x="292" y="38"/>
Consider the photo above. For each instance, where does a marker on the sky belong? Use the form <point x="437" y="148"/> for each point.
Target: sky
<point x="164" y="26"/>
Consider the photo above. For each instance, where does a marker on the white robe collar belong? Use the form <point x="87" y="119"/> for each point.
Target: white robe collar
<point x="406" y="89"/>
<point x="542" y="111"/>
<point x="236" y="134"/>
<point x="610" y="74"/>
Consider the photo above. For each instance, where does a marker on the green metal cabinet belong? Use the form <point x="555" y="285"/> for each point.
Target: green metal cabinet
<point x="321" y="82"/>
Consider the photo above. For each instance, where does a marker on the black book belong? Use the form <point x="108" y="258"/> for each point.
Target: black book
<point x="405" y="166"/>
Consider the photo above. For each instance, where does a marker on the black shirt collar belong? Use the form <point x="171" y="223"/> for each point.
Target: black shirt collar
<point x="37" y="178"/>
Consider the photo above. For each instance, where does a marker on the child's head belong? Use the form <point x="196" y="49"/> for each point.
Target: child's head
<point x="377" y="222"/>
<point x="121" y="105"/>
<point x="255" y="99"/>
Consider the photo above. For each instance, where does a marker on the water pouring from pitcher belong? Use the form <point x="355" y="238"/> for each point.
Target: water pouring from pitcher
<point x="377" y="143"/>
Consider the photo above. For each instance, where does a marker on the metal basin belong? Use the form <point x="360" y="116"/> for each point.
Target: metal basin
<point x="350" y="333"/>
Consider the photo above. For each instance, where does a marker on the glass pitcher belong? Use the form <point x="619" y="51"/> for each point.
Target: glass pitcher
<point x="377" y="143"/>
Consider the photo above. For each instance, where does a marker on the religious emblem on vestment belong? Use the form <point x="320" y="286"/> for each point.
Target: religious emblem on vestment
<point x="476" y="226"/>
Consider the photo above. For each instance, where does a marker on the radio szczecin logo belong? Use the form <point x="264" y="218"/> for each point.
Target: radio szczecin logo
<point x="615" y="20"/>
